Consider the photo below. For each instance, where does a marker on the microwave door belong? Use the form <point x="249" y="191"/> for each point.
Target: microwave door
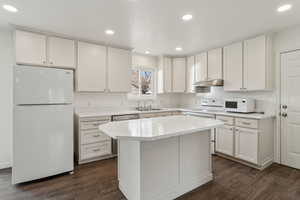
<point x="231" y="105"/>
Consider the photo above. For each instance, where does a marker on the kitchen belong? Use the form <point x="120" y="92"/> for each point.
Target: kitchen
<point x="117" y="81"/>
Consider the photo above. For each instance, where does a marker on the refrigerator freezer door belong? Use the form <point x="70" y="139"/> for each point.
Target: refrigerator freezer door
<point x="42" y="141"/>
<point x="40" y="85"/>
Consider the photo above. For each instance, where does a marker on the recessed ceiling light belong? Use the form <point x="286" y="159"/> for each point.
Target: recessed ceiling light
<point x="284" y="8"/>
<point x="109" y="32"/>
<point x="10" y="8"/>
<point x="178" y="48"/>
<point x="147" y="52"/>
<point x="187" y="17"/>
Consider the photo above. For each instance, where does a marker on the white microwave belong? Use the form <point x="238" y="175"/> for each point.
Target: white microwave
<point x="240" y="105"/>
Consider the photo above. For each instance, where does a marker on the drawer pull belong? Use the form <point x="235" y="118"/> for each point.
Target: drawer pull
<point x="96" y="150"/>
<point x="96" y="136"/>
<point x="246" y="123"/>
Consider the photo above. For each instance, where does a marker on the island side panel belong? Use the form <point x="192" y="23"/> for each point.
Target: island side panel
<point x="195" y="160"/>
<point x="160" y="169"/>
<point x="129" y="168"/>
<point x="174" y="166"/>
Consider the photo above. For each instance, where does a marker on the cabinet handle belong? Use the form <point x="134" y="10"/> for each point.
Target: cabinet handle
<point x="236" y="129"/>
<point x="96" y="150"/>
<point x="96" y="136"/>
<point x="44" y="62"/>
<point x="246" y="123"/>
<point x="51" y="63"/>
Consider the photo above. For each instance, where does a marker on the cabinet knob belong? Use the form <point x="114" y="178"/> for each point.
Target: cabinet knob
<point x="51" y="63"/>
<point x="284" y="106"/>
<point x="44" y="62"/>
<point x="284" y="115"/>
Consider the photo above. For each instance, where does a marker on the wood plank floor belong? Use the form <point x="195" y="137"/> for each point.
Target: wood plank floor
<point x="98" y="180"/>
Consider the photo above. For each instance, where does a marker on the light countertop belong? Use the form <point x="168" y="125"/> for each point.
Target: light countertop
<point x="99" y="112"/>
<point x="158" y="128"/>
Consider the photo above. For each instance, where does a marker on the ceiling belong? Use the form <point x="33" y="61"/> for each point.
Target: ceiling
<point x="154" y="25"/>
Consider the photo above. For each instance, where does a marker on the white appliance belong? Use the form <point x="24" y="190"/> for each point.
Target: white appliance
<point x="43" y="123"/>
<point x="240" y="105"/>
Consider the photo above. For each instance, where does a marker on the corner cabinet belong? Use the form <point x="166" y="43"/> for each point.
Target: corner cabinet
<point x="91" y="69"/>
<point x="249" y="141"/>
<point x="119" y="69"/>
<point x="179" y="75"/>
<point x="42" y="50"/>
<point x="248" y="65"/>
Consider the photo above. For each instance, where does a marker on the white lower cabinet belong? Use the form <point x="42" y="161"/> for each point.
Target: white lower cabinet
<point x="249" y="141"/>
<point x="225" y="140"/>
<point x="246" y="144"/>
<point x="90" y="143"/>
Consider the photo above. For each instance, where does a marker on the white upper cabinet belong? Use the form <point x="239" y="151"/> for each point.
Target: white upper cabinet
<point x="30" y="48"/>
<point x="61" y="52"/>
<point x="167" y="74"/>
<point x="91" y="69"/>
<point x="201" y="67"/>
<point x="233" y="67"/>
<point x="119" y="70"/>
<point x="179" y="75"/>
<point x="257" y="66"/>
<point x="190" y="74"/>
<point x="215" y="64"/>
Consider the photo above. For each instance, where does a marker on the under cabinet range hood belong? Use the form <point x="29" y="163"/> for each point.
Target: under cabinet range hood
<point x="204" y="86"/>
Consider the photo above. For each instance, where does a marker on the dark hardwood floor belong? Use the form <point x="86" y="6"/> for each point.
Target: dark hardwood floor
<point x="98" y="180"/>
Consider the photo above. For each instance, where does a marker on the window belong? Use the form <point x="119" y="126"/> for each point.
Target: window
<point x="142" y="82"/>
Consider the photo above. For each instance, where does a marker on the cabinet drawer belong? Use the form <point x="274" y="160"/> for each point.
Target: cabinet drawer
<point x="246" y="123"/>
<point x="226" y="120"/>
<point x="90" y="125"/>
<point x="93" y="136"/>
<point x="95" y="150"/>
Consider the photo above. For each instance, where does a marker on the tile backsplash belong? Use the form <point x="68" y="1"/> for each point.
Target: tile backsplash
<point x="120" y="100"/>
<point x="265" y="100"/>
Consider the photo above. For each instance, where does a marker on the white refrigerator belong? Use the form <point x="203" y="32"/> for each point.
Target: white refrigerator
<point x="43" y="123"/>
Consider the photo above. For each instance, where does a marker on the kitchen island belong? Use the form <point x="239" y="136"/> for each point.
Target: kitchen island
<point x="162" y="158"/>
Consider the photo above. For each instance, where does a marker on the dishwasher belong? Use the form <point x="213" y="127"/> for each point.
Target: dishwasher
<point x="121" y="118"/>
<point x="213" y="131"/>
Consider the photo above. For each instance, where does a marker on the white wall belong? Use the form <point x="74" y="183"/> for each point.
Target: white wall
<point x="6" y="102"/>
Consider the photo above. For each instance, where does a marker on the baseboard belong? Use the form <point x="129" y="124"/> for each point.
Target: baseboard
<point x="4" y="165"/>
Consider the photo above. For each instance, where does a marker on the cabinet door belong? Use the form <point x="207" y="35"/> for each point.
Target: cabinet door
<point x="201" y="67"/>
<point x="225" y="140"/>
<point x="255" y="63"/>
<point x="179" y="76"/>
<point x="190" y="74"/>
<point x="61" y="52"/>
<point x="168" y="74"/>
<point x="233" y="67"/>
<point x="91" y="70"/>
<point x="30" y="48"/>
<point x="246" y="144"/>
<point x="215" y="64"/>
<point x="119" y="70"/>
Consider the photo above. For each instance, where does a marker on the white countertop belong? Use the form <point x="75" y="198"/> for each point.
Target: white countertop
<point x="158" y="128"/>
<point x="98" y="112"/>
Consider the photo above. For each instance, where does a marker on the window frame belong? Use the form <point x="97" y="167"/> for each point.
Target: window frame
<point x="140" y="96"/>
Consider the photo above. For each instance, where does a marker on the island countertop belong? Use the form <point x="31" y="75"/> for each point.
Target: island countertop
<point x="158" y="128"/>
